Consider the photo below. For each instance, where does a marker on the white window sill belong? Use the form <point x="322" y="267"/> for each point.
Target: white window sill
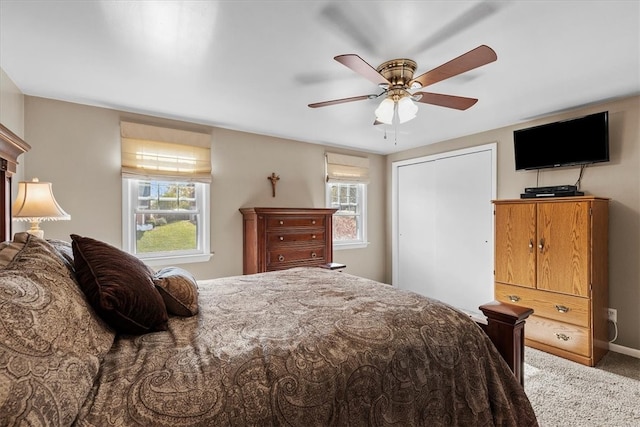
<point x="173" y="260"/>
<point x="354" y="245"/>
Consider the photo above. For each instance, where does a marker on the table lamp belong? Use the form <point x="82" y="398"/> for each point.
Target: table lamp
<point x="35" y="203"/>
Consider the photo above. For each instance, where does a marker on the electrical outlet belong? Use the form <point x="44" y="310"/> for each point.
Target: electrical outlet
<point x="612" y="314"/>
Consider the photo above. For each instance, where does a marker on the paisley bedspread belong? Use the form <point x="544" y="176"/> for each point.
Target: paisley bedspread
<point x="308" y="347"/>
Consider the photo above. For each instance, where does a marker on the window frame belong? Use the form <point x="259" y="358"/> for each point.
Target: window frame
<point x="129" y="203"/>
<point x="362" y="204"/>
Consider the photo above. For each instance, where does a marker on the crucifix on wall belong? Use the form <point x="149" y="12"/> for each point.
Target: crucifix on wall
<point x="274" y="180"/>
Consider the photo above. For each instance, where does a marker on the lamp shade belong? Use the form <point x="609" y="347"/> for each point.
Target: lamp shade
<point x="35" y="203"/>
<point x="385" y="111"/>
<point x="406" y="109"/>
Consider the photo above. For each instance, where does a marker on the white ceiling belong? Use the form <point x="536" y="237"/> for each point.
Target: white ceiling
<point x="255" y="65"/>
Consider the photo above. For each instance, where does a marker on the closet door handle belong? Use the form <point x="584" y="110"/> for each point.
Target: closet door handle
<point x="541" y="245"/>
<point x="530" y="245"/>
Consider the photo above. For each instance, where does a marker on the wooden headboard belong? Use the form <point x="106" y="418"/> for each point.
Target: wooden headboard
<point x="11" y="146"/>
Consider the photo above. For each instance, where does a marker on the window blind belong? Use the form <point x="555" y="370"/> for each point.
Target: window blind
<point x="163" y="153"/>
<point x="346" y="168"/>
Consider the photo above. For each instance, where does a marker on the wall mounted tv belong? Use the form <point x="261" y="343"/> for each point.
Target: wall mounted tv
<point x="578" y="141"/>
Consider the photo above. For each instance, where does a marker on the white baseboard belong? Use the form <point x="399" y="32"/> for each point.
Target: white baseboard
<point x="624" y="350"/>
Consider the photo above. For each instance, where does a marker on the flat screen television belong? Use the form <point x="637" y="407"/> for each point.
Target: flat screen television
<point x="578" y="141"/>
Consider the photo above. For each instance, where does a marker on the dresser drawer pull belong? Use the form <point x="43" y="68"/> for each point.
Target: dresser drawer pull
<point x="281" y="238"/>
<point x="313" y="236"/>
<point x="313" y="255"/>
<point x="562" y="308"/>
<point x="280" y="258"/>
<point x="562" y="337"/>
<point x="313" y="222"/>
<point x="513" y="298"/>
<point x="281" y="222"/>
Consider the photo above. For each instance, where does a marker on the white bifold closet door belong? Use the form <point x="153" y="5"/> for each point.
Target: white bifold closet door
<point x="444" y="227"/>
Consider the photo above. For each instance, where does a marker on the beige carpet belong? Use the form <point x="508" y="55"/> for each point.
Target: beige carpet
<point x="564" y="393"/>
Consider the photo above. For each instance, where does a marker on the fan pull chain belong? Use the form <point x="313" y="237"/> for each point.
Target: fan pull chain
<point x="395" y="139"/>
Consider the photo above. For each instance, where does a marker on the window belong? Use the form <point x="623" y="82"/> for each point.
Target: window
<point x="165" y="187"/>
<point x="349" y="221"/>
<point x="347" y="178"/>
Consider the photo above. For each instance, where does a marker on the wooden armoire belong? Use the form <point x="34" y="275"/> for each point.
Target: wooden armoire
<point x="552" y="255"/>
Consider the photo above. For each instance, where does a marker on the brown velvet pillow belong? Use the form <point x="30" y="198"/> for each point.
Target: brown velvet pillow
<point x="179" y="291"/>
<point x="119" y="287"/>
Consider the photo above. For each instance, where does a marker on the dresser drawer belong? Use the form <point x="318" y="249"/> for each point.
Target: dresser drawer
<point x="557" y="334"/>
<point x="561" y="307"/>
<point x="286" y="237"/>
<point x="276" y="222"/>
<point x="285" y="256"/>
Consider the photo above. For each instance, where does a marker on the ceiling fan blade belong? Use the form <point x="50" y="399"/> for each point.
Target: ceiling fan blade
<point x="361" y="67"/>
<point x="449" y="101"/>
<point x="341" y="101"/>
<point x="475" y="58"/>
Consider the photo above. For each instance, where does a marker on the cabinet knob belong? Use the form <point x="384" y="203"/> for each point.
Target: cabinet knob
<point x="530" y="245"/>
<point x="281" y="222"/>
<point x="313" y="255"/>
<point x="313" y="222"/>
<point x="514" y="298"/>
<point x="281" y="258"/>
<point x="562" y="308"/>
<point x="313" y="236"/>
<point x="562" y="337"/>
<point x="541" y="245"/>
<point x="281" y="238"/>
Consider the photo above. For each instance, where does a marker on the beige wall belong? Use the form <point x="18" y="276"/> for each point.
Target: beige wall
<point x="77" y="148"/>
<point x="618" y="179"/>
<point x="11" y="105"/>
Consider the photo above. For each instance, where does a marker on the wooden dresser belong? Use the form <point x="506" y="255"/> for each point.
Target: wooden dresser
<point x="281" y="238"/>
<point x="552" y="255"/>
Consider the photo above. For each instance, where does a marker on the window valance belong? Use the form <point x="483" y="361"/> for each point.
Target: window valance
<point x="346" y="168"/>
<point x="163" y="153"/>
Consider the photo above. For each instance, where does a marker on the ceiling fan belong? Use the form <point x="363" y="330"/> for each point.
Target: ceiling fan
<point x="396" y="79"/>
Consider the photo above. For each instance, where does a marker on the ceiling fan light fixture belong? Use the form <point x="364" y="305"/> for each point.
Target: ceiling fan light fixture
<point x="385" y="111"/>
<point x="407" y="110"/>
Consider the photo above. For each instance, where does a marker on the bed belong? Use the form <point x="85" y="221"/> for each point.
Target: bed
<point x="299" y="347"/>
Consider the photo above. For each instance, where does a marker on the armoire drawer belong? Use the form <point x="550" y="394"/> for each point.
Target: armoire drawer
<point x="552" y="305"/>
<point x="281" y="237"/>
<point x="557" y="334"/>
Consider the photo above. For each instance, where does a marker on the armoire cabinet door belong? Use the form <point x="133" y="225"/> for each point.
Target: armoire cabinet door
<point x="563" y="247"/>
<point x="515" y="253"/>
